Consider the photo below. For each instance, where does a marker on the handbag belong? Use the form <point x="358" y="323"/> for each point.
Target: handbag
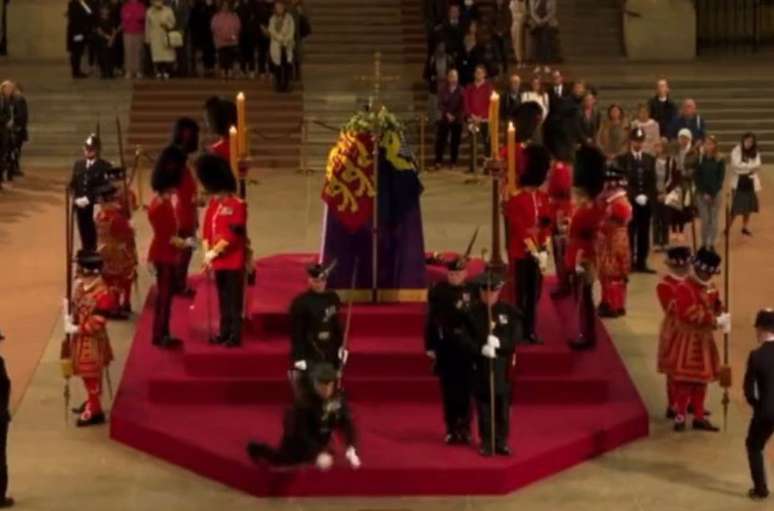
<point x="175" y="39"/>
<point x="674" y="199"/>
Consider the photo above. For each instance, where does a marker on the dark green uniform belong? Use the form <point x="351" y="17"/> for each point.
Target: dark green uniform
<point x="316" y="332"/>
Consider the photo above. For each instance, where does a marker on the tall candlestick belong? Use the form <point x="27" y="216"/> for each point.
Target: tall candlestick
<point x="510" y="187"/>
<point x="233" y="142"/>
<point x="494" y="125"/>
<point x="241" y="125"/>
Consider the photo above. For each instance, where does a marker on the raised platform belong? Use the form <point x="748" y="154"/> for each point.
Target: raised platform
<point x="198" y="408"/>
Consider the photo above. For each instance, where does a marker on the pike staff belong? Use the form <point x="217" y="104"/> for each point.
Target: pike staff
<point x="725" y="371"/>
<point x="65" y="355"/>
<point x="490" y="327"/>
<point x="348" y="322"/>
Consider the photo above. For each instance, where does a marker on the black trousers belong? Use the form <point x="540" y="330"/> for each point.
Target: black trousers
<point x="529" y="282"/>
<point x="502" y="416"/>
<point x="165" y="287"/>
<point x="559" y="243"/>
<point x="87" y="228"/>
<point x="445" y="128"/>
<point x="263" y="54"/>
<point x="661" y="224"/>
<point x="226" y="57"/>
<point x="230" y="284"/>
<point x="76" y="55"/>
<point x="181" y="272"/>
<point x="247" y="48"/>
<point x="456" y="380"/>
<point x="483" y="140"/>
<point x="639" y="234"/>
<point x="3" y="458"/>
<point x="542" y="37"/>
<point x="757" y="435"/>
<point x="105" y="56"/>
<point x="282" y="73"/>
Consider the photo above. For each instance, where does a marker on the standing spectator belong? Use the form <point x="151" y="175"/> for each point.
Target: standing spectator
<point x="538" y="95"/>
<point x="759" y="393"/>
<point x="133" y="23"/>
<point x="182" y="11"/>
<point x="282" y="31"/>
<point x="470" y="13"/>
<point x="302" y="31"/>
<point x="5" y="419"/>
<point x="665" y="167"/>
<point x="4" y="27"/>
<point x="436" y="69"/>
<point x="510" y="100"/>
<point x="451" y="106"/>
<point x="640" y="170"/>
<point x="226" y="29"/>
<point x="470" y="56"/>
<point x="708" y="179"/>
<point x="452" y="33"/>
<point x="433" y="13"/>
<point x="588" y="121"/>
<point x="679" y="197"/>
<point x="13" y="129"/>
<point x="559" y="105"/>
<point x="501" y="27"/>
<point x="80" y="27"/>
<point x="19" y="132"/>
<point x="662" y="108"/>
<point x="649" y="125"/>
<point x="247" y="10"/>
<point x="118" y="45"/>
<point x="745" y="182"/>
<point x="689" y="119"/>
<point x="159" y="20"/>
<point x="105" y="39"/>
<point x="476" y="99"/>
<point x="519" y="13"/>
<point x="263" y="15"/>
<point x="543" y="25"/>
<point x="614" y="132"/>
<point x="201" y="36"/>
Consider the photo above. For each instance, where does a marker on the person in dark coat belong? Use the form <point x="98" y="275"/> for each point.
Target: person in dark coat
<point x="498" y="328"/>
<point x="5" y="419"/>
<point x="759" y="392"/>
<point x="662" y="109"/>
<point x="318" y="412"/>
<point x="81" y="19"/>
<point x="451" y="114"/>
<point x="510" y="99"/>
<point x="447" y="336"/>
<point x="557" y="138"/>
<point x="201" y="35"/>
<point x="89" y="177"/>
<point x="640" y="170"/>
<point x="247" y="10"/>
<point x="264" y="10"/>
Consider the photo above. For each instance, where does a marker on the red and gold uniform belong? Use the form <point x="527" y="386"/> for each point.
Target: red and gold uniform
<point x="613" y="252"/>
<point x="225" y="241"/>
<point x="693" y="355"/>
<point x="666" y="291"/>
<point x="118" y="249"/>
<point x="90" y="349"/>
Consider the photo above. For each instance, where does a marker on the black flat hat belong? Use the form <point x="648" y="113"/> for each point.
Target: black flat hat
<point x="765" y="319"/>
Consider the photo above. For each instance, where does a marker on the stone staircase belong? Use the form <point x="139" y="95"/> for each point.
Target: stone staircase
<point x="274" y="119"/>
<point x="590" y="29"/>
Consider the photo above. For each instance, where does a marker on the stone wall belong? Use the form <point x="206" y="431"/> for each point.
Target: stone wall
<point x="36" y="28"/>
<point x="665" y="30"/>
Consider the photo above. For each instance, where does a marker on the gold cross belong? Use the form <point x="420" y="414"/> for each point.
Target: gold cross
<point x="377" y="80"/>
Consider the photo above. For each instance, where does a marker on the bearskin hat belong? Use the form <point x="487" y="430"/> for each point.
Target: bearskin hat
<point x="536" y="165"/>
<point x="168" y="171"/>
<point x="529" y="115"/>
<point x="215" y="174"/>
<point x="221" y="115"/>
<point x="186" y="135"/>
<point x="589" y="170"/>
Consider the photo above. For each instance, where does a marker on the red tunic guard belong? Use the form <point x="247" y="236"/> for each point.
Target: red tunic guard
<point x="118" y="249"/>
<point x="613" y="253"/>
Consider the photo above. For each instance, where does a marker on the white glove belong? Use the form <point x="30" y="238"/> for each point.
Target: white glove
<point x="488" y="351"/>
<point x="82" y="202"/>
<point x="191" y="242"/>
<point x="300" y="365"/>
<point x="324" y="461"/>
<point x="352" y="457"/>
<point x="641" y="199"/>
<point x="343" y="356"/>
<point x="430" y="354"/>
<point x="493" y="341"/>
<point x="209" y="256"/>
<point x="723" y="321"/>
<point x="542" y="260"/>
<point x="69" y="327"/>
<point x="78" y="38"/>
<point x="579" y="269"/>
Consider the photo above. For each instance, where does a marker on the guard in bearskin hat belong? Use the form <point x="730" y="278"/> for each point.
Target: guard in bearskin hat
<point x="560" y="200"/>
<point x="221" y="115"/>
<point x="613" y="252"/>
<point x="186" y="138"/>
<point x="225" y="243"/>
<point x="529" y="226"/>
<point x="89" y="176"/>
<point x="696" y="361"/>
<point x="678" y="263"/>
<point x="759" y="392"/>
<point x="89" y="351"/>
<point x="167" y="247"/>
<point x="316" y="332"/>
<point x="447" y="336"/>
<point x="580" y="260"/>
<point x="497" y="328"/>
<point x="118" y="248"/>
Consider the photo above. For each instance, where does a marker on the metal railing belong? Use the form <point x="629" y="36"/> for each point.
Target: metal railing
<point x="729" y="26"/>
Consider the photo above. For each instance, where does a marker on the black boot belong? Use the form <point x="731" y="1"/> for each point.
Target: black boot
<point x="604" y="311"/>
<point x="258" y="451"/>
<point x="503" y="450"/>
<point x="704" y="425"/>
<point x="97" y="418"/>
<point x="169" y="343"/>
<point x="758" y="494"/>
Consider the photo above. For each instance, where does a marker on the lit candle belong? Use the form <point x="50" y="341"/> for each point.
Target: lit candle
<point x="241" y="125"/>
<point x="511" y="180"/>
<point x="233" y="151"/>
<point x="494" y="124"/>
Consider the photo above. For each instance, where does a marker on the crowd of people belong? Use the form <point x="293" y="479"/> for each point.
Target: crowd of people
<point x="185" y="38"/>
<point x="14" y="117"/>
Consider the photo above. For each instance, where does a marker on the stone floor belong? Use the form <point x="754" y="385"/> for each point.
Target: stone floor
<point x="54" y="466"/>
